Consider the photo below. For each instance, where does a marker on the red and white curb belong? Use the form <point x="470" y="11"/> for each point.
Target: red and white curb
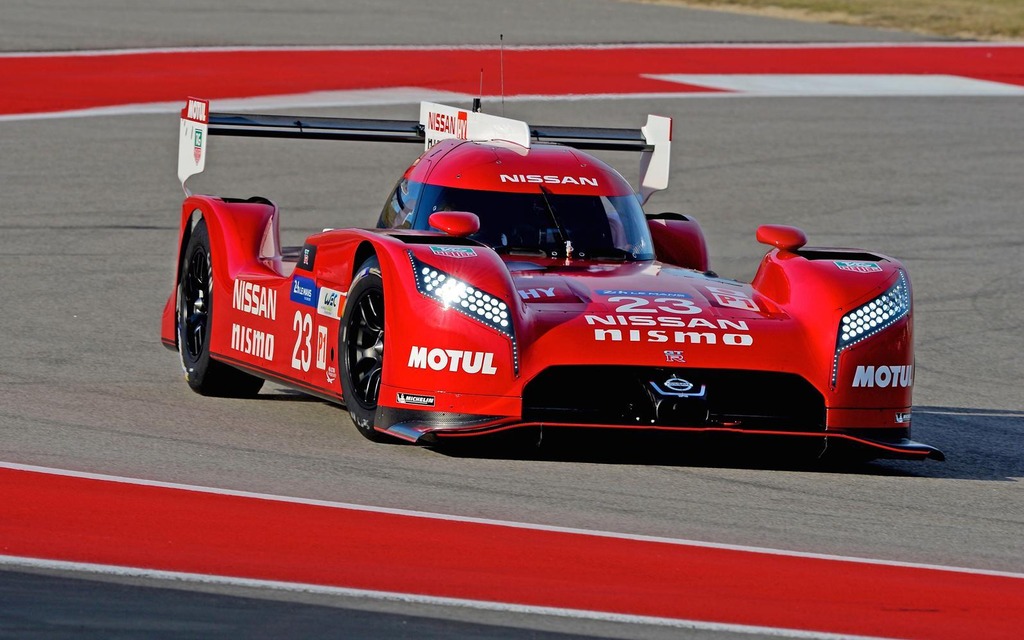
<point x="105" y="524"/>
<point x="116" y="82"/>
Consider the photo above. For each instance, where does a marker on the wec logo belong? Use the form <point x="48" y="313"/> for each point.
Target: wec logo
<point x="329" y="303"/>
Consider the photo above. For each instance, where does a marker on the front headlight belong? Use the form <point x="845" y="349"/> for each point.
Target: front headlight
<point x="871" y="318"/>
<point x="868" y="319"/>
<point x="462" y="297"/>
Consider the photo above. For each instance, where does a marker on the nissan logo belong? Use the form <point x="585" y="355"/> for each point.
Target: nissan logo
<point x="678" y="384"/>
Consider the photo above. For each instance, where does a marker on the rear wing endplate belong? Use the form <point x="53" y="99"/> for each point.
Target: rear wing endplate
<point x="437" y="122"/>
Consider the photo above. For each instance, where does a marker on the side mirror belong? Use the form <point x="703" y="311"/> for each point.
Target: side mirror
<point x="782" y="236"/>
<point x="455" y="223"/>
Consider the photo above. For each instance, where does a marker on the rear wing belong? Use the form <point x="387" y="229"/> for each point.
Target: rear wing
<point x="437" y="122"/>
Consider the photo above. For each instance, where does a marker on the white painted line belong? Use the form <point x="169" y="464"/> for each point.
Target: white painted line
<point x="338" y="99"/>
<point x="503" y="523"/>
<point x="844" y="85"/>
<point x="412" y="598"/>
<point x="972" y="414"/>
<point x="718" y="86"/>
<point x="356" y="98"/>
<point x="525" y="47"/>
<point x="412" y="96"/>
<point x="310" y="100"/>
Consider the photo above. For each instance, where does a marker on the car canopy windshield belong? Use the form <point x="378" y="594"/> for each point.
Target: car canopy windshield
<point x="544" y="223"/>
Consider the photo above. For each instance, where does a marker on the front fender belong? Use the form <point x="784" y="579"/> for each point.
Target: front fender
<point x="446" y="351"/>
<point x="452" y="337"/>
<point x="817" y="288"/>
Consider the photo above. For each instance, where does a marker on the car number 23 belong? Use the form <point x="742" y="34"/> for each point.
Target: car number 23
<point x="302" y="354"/>
<point x="681" y="306"/>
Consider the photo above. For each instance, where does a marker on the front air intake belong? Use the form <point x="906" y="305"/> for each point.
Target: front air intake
<point x="673" y="397"/>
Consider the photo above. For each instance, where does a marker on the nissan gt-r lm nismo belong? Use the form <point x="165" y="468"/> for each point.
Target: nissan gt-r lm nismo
<point x="513" y="280"/>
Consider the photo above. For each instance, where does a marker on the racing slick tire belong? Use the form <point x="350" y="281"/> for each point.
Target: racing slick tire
<point x="361" y="348"/>
<point x="195" y="321"/>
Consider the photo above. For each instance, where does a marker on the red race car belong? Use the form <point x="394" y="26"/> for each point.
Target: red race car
<point x="513" y="280"/>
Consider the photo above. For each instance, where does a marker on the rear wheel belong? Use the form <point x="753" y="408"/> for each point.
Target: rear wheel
<point x="195" y="322"/>
<point x="362" y="348"/>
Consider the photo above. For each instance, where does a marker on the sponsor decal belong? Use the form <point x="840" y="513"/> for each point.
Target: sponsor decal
<point x="195" y="113"/>
<point x="457" y="125"/>
<point x="732" y="298"/>
<point x="196" y="110"/>
<point x="642" y="294"/>
<point x="252" y="342"/>
<point x="452" y="360"/>
<point x="674" y="337"/>
<point x="303" y="291"/>
<point x="674" y="356"/>
<point x="884" y="376"/>
<point x="329" y="303"/>
<point x="677" y="388"/>
<point x="534" y="294"/>
<point x="197" y="142"/>
<point x="454" y="252"/>
<point x="533" y="178"/>
<point x="857" y="266"/>
<point x="414" y="399"/>
<point x="256" y="299"/>
<point x="332" y="374"/>
<point x="732" y="338"/>
<point x="307" y="257"/>
<point x="321" y="348"/>
<point x="441" y="122"/>
<point x="902" y="417"/>
<point x="677" y="322"/>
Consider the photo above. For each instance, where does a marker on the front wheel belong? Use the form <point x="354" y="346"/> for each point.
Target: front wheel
<point x="362" y="347"/>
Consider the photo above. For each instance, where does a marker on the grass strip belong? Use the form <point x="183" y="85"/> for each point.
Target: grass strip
<point x="967" y="19"/>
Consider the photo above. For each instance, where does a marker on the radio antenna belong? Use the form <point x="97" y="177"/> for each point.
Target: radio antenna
<point x="501" y="66"/>
<point x="477" y="106"/>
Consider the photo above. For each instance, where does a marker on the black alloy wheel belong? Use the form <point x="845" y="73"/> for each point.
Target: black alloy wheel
<point x="195" y="294"/>
<point x="362" y="348"/>
<point x="195" y="323"/>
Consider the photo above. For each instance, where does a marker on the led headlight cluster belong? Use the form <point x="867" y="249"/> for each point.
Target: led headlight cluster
<point x="470" y="301"/>
<point x="453" y="292"/>
<point x="867" y="320"/>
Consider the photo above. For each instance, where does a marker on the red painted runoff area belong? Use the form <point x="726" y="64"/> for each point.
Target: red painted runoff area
<point x="108" y="522"/>
<point x="41" y="83"/>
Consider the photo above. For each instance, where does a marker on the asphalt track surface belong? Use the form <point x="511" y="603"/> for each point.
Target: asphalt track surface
<point x="87" y="243"/>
